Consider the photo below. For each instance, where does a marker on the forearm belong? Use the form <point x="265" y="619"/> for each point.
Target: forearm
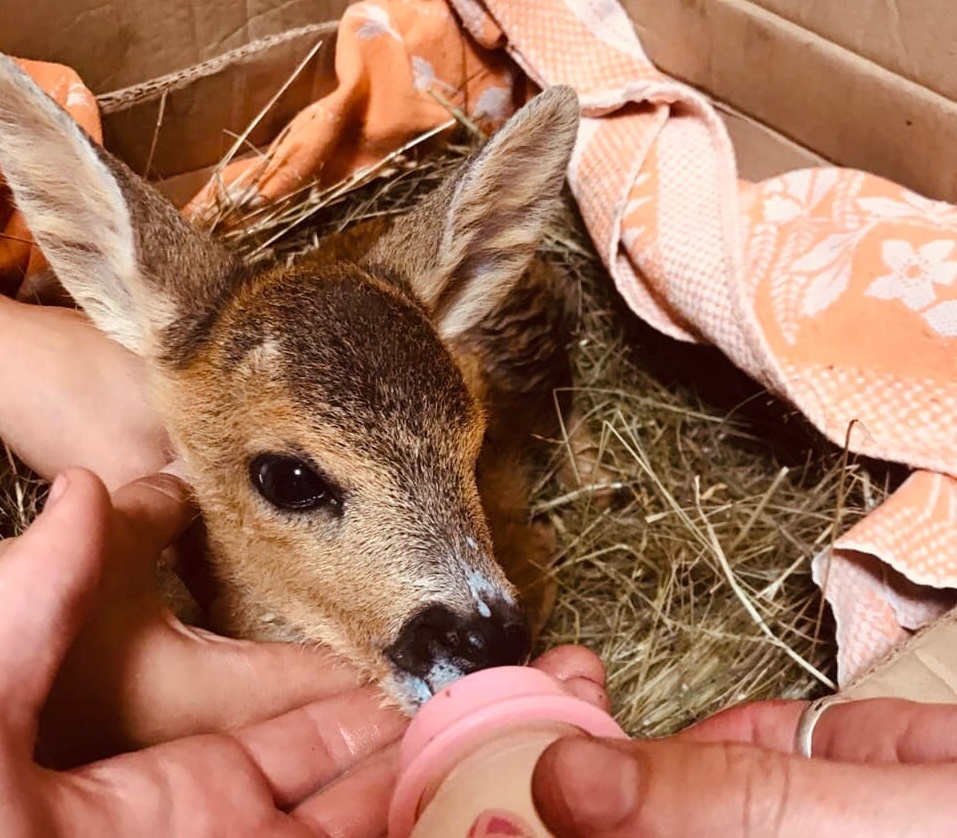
<point x="71" y="396"/>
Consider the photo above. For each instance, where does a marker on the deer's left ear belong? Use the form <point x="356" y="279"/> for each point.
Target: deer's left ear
<point x="122" y="251"/>
<point x="496" y="212"/>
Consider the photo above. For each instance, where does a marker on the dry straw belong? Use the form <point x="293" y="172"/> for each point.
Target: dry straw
<point x="694" y="585"/>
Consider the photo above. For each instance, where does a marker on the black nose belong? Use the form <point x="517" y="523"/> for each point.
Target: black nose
<point x="438" y="638"/>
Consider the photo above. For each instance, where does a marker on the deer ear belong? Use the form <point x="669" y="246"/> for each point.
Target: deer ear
<point x="118" y="248"/>
<point x="497" y="210"/>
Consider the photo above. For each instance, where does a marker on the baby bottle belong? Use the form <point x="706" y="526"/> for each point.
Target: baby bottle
<point x="466" y="762"/>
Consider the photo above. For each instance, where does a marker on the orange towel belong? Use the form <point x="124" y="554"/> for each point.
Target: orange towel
<point x="398" y="64"/>
<point x="834" y="288"/>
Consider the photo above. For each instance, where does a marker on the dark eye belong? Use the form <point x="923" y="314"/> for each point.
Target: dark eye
<point x="291" y="483"/>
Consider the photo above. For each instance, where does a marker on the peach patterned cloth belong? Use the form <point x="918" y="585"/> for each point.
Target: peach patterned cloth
<point x="399" y="64"/>
<point x="833" y="288"/>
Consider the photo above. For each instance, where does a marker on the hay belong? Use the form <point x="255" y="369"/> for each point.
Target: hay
<point x="694" y="586"/>
<point x="21" y="494"/>
<point x="696" y="591"/>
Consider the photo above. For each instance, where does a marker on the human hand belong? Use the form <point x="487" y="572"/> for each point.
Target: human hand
<point x="137" y="676"/>
<point x="73" y="396"/>
<point x="324" y="768"/>
<point x="880" y="768"/>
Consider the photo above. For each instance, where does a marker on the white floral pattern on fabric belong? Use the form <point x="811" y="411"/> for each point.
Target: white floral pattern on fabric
<point x="830" y="264"/>
<point x="781" y="209"/>
<point x="493" y="104"/>
<point x="607" y="21"/>
<point x="796" y="193"/>
<point x="377" y="22"/>
<point x="423" y="73"/>
<point x="77" y="96"/>
<point x="425" y="78"/>
<point x="914" y="272"/>
<point x="912" y="206"/>
<point x="942" y="318"/>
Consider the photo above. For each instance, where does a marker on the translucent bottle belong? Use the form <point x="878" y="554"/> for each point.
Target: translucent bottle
<point x="466" y="762"/>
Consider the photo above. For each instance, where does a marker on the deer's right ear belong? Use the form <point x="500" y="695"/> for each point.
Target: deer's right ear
<point x="478" y="233"/>
<point x="122" y="252"/>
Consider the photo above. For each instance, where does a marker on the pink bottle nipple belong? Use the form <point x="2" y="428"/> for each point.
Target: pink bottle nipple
<point x="471" y="710"/>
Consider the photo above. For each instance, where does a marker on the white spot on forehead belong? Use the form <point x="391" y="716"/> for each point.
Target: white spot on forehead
<point x="263" y="354"/>
<point x="484" y="610"/>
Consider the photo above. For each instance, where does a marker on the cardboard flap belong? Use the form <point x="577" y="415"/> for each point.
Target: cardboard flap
<point x="841" y="105"/>
<point x="915" y="40"/>
<point x="924" y="669"/>
<point x="118" y="43"/>
<point x="188" y="120"/>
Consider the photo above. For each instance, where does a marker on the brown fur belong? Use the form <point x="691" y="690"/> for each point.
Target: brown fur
<point x="411" y="364"/>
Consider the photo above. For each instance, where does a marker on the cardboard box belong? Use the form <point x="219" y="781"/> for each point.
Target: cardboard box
<point x="924" y="669"/>
<point x="120" y="43"/>
<point x="174" y="128"/>
<point x="863" y="83"/>
<point x="178" y="81"/>
<point x="798" y="83"/>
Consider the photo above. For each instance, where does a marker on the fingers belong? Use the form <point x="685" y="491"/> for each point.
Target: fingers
<point x="357" y="804"/>
<point x="152" y="513"/>
<point x="589" y="691"/>
<point x="308" y="748"/>
<point x="876" y="730"/>
<point x="100" y="673"/>
<point x="567" y="662"/>
<point x="239" y="784"/>
<point x="204" y="785"/>
<point x="180" y="682"/>
<point x="80" y="397"/>
<point x="888" y="730"/>
<point x="767" y="724"/>
<point x="580" y="671"/>
<point x="139" y="677"/>
<point x="186" y="681"/>
<point x="588" y="787"/>
<point x="678" y="788"/>
<point x="48" y="578"/>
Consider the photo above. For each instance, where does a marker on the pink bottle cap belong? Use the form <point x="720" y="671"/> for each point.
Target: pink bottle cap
<point x="473" y="709"/>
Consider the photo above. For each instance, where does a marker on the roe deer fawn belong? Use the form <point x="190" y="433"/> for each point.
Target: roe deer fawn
<point x="356" y="426"/>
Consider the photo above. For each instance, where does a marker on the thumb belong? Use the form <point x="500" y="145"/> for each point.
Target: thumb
<point x="603" y="789"/>
<point x="151" y="513"/>
<point x="96" y="677"/>
<point x="48" y="578"/>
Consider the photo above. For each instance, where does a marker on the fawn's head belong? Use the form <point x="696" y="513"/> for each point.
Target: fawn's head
<point x="327" y="429"/>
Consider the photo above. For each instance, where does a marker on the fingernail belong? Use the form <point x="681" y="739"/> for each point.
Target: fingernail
<point x="598" y="783"/>
<point x="588" y="690"/>
<point x="499" y="823"/>
<point x="176" y="469"/>
<point x="57" y="490"/>
<point x="166" y="482"/>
